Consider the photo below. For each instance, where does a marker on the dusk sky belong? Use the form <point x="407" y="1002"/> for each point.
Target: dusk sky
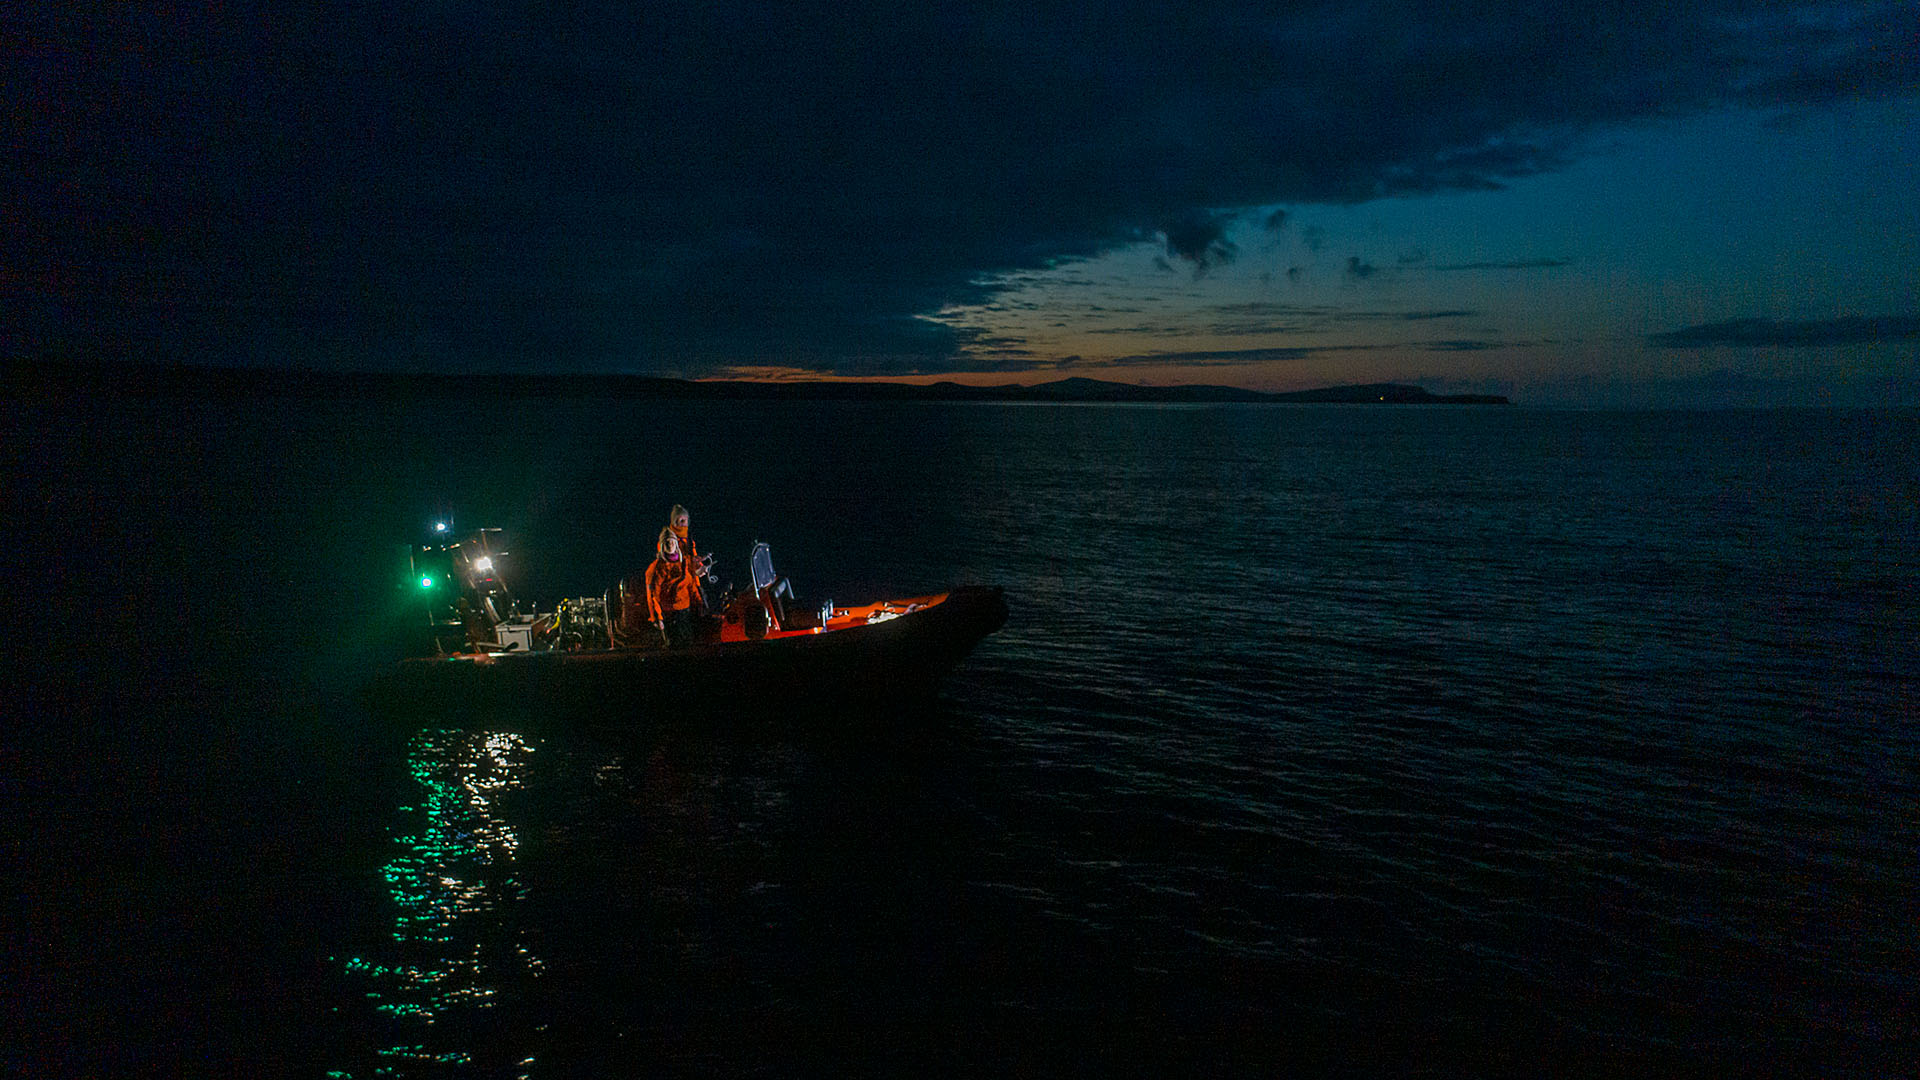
<point x="1571" y="203"/>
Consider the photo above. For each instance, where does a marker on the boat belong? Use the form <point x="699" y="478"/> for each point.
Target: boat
<point x="765" y="656"/>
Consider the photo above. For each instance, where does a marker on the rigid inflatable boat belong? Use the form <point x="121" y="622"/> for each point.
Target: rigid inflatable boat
<point x="763" y="656"/>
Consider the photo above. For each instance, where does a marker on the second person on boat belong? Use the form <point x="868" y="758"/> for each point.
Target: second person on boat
<point x="672" y="591"/>
<point x="679" y="522"/>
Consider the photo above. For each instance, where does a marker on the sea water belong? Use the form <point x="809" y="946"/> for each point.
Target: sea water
<point x="1397" y="740"/>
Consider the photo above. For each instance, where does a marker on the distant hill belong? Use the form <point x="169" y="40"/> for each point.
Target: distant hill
<point x="24" y="378"/>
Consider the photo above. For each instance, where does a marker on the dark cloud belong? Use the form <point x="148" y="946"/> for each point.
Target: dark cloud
<point x="1276" y="221"/>
<point x="1157" y="330"/>
<point x="1200" y="239"/>
<point x="1754" y="333"/>
<point x="1263" y="318"/>
<point x="1517" y="264"/>
<point x="1236" y="357"/>
<point x="1232" y="357"/>
<point x="1253" y="327"/>
<point x="1359" y="270"/>
<point x="677" y="187"/>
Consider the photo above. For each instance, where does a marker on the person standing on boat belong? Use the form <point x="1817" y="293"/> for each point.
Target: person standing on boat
<point x="671" y="590"/>
<point x="677" y="523"/>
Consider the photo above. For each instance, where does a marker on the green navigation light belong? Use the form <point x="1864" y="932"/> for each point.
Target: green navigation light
<point x="426" y="581"/>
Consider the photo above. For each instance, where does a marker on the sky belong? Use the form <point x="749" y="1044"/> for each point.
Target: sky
<point x="1609" y="203"/>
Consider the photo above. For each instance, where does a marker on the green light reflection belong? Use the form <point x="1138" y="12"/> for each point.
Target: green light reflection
<point x="453" y="891"/>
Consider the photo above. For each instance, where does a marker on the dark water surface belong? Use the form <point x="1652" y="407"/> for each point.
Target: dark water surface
<point x="1321" y="740"/>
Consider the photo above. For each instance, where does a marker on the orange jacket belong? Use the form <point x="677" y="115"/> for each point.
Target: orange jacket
<point x="670" y="587"/>
<point x="691" y="555"/>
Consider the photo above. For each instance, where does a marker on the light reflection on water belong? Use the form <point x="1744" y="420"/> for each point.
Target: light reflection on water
<point x="551" y="901"/>
<point x="451" y="886"/>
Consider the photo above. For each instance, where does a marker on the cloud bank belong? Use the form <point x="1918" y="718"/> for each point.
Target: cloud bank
<point x="675" y="188"/>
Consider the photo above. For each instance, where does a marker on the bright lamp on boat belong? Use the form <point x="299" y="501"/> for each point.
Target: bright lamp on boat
<point x="439" y="526"/>
<point x="484" y="562"/>
<point x="426" y="581"/>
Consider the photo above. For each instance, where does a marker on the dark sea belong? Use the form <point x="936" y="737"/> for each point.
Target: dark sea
<point x="1368" y="741"/>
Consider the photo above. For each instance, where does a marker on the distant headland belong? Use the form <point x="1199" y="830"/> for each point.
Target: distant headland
<point x="24" y="378"/>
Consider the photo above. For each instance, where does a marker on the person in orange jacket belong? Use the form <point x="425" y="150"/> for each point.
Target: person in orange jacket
<point x="671" y="591"/>
<point x="678" y="522"/>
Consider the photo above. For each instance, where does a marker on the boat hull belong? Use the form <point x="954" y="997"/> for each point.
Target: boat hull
<point x="849" y="672"/>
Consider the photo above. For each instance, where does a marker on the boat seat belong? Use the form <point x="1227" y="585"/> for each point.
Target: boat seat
<point x="769" y="586"/>
<point x="761" y="563"/>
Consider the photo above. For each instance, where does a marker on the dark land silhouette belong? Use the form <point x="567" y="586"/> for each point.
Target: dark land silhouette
<point x="25" y="378"/>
